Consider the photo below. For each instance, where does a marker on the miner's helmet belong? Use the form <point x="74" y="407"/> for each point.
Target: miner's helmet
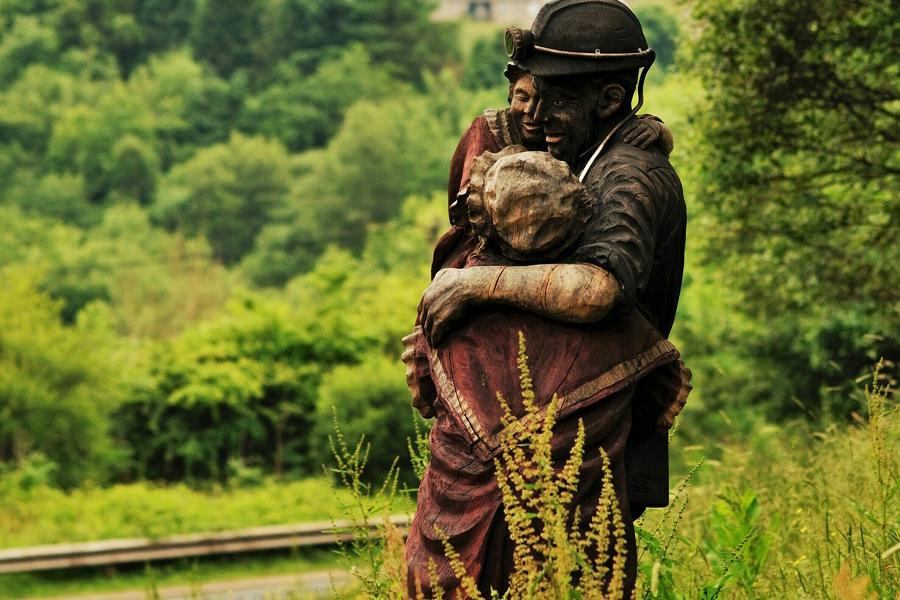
<point x="577" y="37"/>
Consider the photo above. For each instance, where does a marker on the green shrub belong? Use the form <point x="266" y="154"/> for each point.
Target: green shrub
<point x="241" y="387"/>
<point x="57" y="385"/>
<point x="798" y="187"/>
<point x="32" y="513"/>
<point x="369" y="400"/>
<point x="227" y="193"/>
<point x="662" y="32"/>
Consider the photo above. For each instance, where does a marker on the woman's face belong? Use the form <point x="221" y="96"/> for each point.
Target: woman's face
<point x="523" y="101"/>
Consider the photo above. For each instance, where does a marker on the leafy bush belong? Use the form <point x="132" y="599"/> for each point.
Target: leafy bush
<point x="242" y="387"/>
<point x="370" y="401"/>
<point x="383" y="153"/>
<point x="662" y="32"/>
<point x="305" y="110"/>
<point x="32" y="513"/>
<point x="151" y="280"/>
<point x="57" y="385"/>
<point x="28" y="41"/>
<point x="85" y="137"/>
<point x="484" y="67"/>
<point x="799" y="179"/>
<point x="399" y="34"/>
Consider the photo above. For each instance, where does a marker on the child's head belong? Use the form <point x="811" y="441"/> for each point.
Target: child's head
<point x="526" y="205"/>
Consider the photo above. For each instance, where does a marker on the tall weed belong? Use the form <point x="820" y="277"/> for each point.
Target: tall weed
<point x="786" y="513"/>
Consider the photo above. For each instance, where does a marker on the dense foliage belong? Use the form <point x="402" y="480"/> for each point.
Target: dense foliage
<point x="216" y="229"/>
<point x="800" y="173"/>
<point x="160" y="157"/>
<point x="55" y="385"/>
<point x="241" y="388"/>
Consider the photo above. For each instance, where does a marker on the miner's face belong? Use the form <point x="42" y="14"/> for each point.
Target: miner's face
<point x="523" y="101"/>
<point x="566" y="111"/>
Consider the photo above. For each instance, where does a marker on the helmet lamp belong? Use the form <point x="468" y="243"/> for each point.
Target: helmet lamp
<point x="519" y="43"/>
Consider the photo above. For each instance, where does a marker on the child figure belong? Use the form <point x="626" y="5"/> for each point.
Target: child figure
<point x="524" y="207"/>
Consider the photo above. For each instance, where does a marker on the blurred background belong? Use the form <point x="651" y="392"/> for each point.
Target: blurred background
<point x="216" y="220"/>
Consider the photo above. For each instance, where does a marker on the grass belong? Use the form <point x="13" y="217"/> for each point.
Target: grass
<point x="43" y="515"/>
<point x="160" y="575"/>
<point x="789" y="511"/>
<point x="797" y="511"/>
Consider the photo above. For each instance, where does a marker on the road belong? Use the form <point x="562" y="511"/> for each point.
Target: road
<point x="282" y="587"/>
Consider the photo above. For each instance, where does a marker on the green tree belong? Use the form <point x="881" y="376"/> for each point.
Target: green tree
<point x="305" y="111"/>
<point x="135" y="170"/>
<point x="164" y="24"/>
<point x="29" y="41"/>
<point x="376" y="294"/>
<point x="800" y="178"/>
<point x="10" y="9"/>
<point x="58" y="384"/>
<point x="484" y="68"/>
<point x="226" y="192"/>
<point x="46" y="247"/>
<point x="383" y="153"/>
<point x="29" y="110"/>
<point x="370" y="402"/>
<point x="156" y="284"/>
<point x="85" y="137"/>
<point x="101" y="25"/>
<point x="225" y="33"/>
<point x="61" y="197"/>
<point x="662" y="32"/>
<point x="242" y="387"/>
<point x="399" y="34"/>
<point x="191" y="106"/>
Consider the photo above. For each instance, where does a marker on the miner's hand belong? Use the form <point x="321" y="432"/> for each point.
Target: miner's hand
<point x="448" y="296"/>
<point x="410" y="359"/>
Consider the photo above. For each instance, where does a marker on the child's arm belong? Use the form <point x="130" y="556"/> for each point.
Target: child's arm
<point x="647" y="130"/>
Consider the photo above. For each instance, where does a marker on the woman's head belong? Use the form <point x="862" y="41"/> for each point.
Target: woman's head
<point x="523" y="100"/>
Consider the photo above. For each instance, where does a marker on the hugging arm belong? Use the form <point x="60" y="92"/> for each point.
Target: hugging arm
<point x="647" y="130"/>
<point x="608" y="269"/>
<point x="575" y="293"/>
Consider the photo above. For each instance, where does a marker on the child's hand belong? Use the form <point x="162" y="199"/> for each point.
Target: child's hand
<point x="645" y="131"/>
<point x="416" y="372"/>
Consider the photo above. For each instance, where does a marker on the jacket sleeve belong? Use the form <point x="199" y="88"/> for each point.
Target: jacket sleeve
<point x="621" y="233"/>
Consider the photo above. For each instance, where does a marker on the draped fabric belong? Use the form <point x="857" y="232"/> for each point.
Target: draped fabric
<point x="593" y="370"/>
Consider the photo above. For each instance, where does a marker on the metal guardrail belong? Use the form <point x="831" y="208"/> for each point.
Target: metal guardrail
<point x="111" y="552"/>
